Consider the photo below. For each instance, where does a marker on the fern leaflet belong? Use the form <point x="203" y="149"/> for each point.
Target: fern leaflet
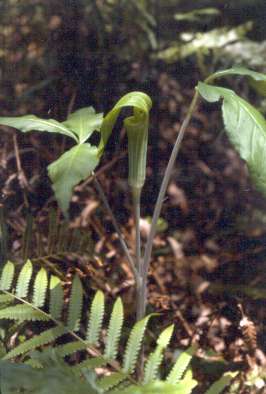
<point x="24" y="280"/>
<point x="56" y="297"/>
<point x="7" y="276"/>
<point x="22" y="313"/>
<point x="40" y="288"/>
<point x="45" y="337"/>
<point x="134" y="344"/>
<point x="95" y="318"/>
<point x="75" y="305"/>
<point x="180" y="365"/>
<point x="114" y="330"/>
<point x="154" y="361"/>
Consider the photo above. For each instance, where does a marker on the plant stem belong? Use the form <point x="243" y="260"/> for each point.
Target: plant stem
<point x="136" y="206"/>
<point x="136" y="193"/>
<point x="117" y="229"/>
<point x="158" y="205"/>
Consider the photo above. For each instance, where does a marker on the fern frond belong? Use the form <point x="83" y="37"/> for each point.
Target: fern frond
<point x="114" y="330"/>
<point x="6" y="299"/>
<point x="56" y="297"/>
<point x="133" y="345"/>
<point x="108" y="382"/>
<point x="95" y="318"/>
<point x="22" y="313"/>
<point x="7" y="276"/>
<point x="40" y="288"/>
<point x="181" y="365"/>
<point x="70" y="348"/>
<point x="90" y="363"/>
<point x="45" y="337"/>
<point x="154" y="361"/>
<point x="75" y="305"/>
<point x="24" y="280"/>
<point x="218" y="386"/>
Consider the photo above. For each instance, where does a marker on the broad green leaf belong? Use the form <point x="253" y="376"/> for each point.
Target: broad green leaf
<point x="137" y="132"/>
<point x="246" y="128"/>
<point x="31" y="122"/>
<point x="72" y="167"/>
<point x="84" y="122"/>
<point x="239" y="71"/>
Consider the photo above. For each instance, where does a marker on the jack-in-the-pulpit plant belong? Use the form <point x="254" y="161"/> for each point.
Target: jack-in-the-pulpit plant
<point x="246" y="128"/>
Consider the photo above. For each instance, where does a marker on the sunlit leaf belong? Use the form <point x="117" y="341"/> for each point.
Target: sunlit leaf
<point x="72" y="167"/>
<point x="31" y="122"/>
<point x="203" y="42"/>
<point x="246" y="128"/>
<point x="84" y="122"/>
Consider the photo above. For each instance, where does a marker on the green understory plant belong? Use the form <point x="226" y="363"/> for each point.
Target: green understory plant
<point x="30" y="297"/>
<point x="245" y="126"/>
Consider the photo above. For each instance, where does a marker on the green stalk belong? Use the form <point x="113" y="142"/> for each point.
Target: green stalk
<point x="158" y="205"/>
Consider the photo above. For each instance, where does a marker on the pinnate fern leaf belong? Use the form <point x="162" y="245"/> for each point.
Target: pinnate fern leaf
<point x="134" y="344"/>
<point x="154" y="361"/>
<point x="6" y="299"/>
<point x="23" y="313"/>
<point x="7" y="276"/>
<point x="24" y="280"/>
<point x="40" y="288"/>
<point x="112" y="380"/>
<point x="181" y="365"/>
<point x="69" y="348"/>
<point x="90" y="363"/>
<point x="75" y="305"/>
<point x="56" y="297"/>
<point x="114" y="330"/>
<point x="45" y="337"/>
<point x="95" y="318"/>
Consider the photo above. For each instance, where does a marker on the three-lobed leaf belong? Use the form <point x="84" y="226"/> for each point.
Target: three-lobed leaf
<point x="84" y="122"/>
<point x="72" y="167"/>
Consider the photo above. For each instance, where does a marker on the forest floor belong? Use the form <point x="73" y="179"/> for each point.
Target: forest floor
<point x="208" y="268"/>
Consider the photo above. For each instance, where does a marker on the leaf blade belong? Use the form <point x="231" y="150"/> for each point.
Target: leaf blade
<point x="31" y="122"/>
<point x="84" y="122"/>
<point x="246" y="129"/>
<point x="72" y="167"/>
